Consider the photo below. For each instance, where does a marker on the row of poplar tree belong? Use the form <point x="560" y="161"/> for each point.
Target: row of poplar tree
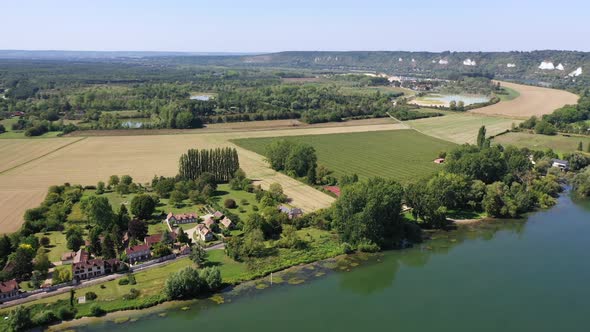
<point x="221" y="162"/>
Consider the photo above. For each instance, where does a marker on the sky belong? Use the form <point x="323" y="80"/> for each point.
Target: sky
<point x="302" y="25"/>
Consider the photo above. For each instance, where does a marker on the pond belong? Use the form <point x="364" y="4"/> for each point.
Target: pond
<point x="510" y="275"/>
<point x="444" y="100"/>
<point x="201" y="97"/>
<point x="135" y="123"/>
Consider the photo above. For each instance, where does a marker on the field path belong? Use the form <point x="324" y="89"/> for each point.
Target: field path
<point x="94" y="159"/>
<point x="533" y="100"/>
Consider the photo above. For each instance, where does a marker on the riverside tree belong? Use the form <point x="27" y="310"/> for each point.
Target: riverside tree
<point x="221" y="162"/>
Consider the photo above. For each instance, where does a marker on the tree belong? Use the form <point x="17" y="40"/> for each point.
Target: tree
<point x="100" y="188"/>
<point x="183" y="237"/>
<point x="143" y="206"/>
<point x="2" y="128"/>
<point x="453" y="105"/>
<point x="184" y="284"/>
<point x="198" y="254"/>
<point x="109" y="246"/>
<point x="176" y="198"/>
<point x="230" y="203"/>
<point x="370" y="212"/>
<point x="126" y="180"/>
<point x="137" y="229"/>
<point x="42" y="263"/>
<point x="98" y="211"/>
<point x="95" y="247"/>
<point x="23" y="261"/>
<point x="74" y="238"/>
<point x="580" y="146"/>
<point x="222" y="163"/>
<point x="20" y="319"/>
<point x="113" y="181"/>
<point x="122" y="218"/>
<point x="481" y="137"/>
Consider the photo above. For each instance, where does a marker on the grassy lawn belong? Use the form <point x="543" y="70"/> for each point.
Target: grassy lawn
<point x="57" y="245"/>
<point x="559" y="143"/>
<point x="242" y="210"/>
<point x="403" y="155"/>
<point x="21" y="133"/>
<point x="372" y="89"/>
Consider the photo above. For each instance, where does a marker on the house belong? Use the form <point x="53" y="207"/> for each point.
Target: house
<point x="94" y="268"/>
<point x="204" y="233"/>
<point x="150" y="240"/>
<point x="183" y="218"/>
<point x="68" y="257"/>
<point x="8" y="290"/>
<point x="209" y="221"/>
<point x="138" y="253"/>
<point x="81" y="256"/>
<point x="184" y="250"/>
<point x="227" y="223"/>
<point x="217" y="215"/>
<point x="561" y="164"/>
<point x="291" y="212"/>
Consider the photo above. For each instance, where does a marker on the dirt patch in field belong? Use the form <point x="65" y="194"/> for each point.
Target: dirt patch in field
<point x="533" y="100"/>
<point x="94" y="159"/>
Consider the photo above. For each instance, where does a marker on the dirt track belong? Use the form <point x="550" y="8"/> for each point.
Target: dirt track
<point x="533" y="100"/>
<point x="94" y="159"/>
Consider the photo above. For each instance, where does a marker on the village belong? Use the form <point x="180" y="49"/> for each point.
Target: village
<point x="174" y="242"/>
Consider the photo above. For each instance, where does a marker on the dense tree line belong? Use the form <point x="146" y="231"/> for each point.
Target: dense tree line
<point x="568" y="119"/>
<point x="221" y="162"/>
<point x="297" y="159"/>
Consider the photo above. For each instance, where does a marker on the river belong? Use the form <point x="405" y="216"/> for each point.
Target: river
<point x="513" y="275"/>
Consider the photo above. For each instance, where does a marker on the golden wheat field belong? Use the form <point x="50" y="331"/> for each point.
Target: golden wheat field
<point x="533" y="100"/>
<point x="89" y="160"/>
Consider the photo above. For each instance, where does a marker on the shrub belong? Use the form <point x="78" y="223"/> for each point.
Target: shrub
<point x="131" y="278"/>
<point x="230" y="203"/>
<point x="133" y="294"/>
<point x="123" y="281"/>
<point x="44" y="317"/>
<point x="368" y="247"/>
<point x="346" y="248"/>
<point x="66" y="313"/>
<point x="96" y="310"/>
<point x="91" y="296"/>
<point x="45" y="241"/>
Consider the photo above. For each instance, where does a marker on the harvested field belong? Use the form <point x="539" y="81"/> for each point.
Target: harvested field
<point x="559" y="143"/>
<point x="94" y="159"/>
<point x="14" y="152"/>
<point x="461" y="127"/>
<point x="403" y="155"/>
<point x="532" y="100"/>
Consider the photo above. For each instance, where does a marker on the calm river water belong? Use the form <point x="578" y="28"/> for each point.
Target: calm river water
<point x="521" y="275"/>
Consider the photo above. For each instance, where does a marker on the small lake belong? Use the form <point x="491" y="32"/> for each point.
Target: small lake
<point x="439" y="99"/>
<point x="135" y="123"/>
<point x="201" y="97"/>
<point x="511" y="275"/>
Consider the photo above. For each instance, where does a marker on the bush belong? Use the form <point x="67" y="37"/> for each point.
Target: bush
<point x="45" y="241"/>
<point x="133" y="294"/>
<point x="123" y="281"/>
<point x="346" y="248"/>
<point x="96" y="310"/>
<point x="44" y="317"/>
<point x="131" y="278"/>
<point x="230" y="203"/>
<point x="66" y="313"/>
<point x="91" y="296"/>
<point x="368" y="247"/>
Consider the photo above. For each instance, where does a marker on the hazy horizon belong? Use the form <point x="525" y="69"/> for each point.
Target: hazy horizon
<point x="264" y="26"/>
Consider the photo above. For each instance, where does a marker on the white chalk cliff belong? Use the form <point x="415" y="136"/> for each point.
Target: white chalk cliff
<point x="546" y="65"/>
<point x="443" y="62"/>
<point x="576" y="72"/>
<point x="469" y="62"/>
<point x="511" y="65"/>
<point x="559" y="67"/>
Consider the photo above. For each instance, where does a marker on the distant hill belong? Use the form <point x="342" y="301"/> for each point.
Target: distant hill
<point x="561" y="68"/>
<point x="102" y="55"/>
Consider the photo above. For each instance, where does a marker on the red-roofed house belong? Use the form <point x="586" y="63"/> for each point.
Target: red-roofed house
<point x="227" y="223"/>
<point x="150" y="240"/>
<point x="209" y="222"/>
<point x="333" y="189"/>
<point x="81" y="256"/>
<point x="204" y="233"/>
<point x="183" y="218"/>
<point x="138" y="253"/>
<point x="217" y="215"/>
<point x="8" y="290"/>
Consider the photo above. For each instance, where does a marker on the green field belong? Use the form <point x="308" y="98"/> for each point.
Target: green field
<point x="21" y="133"/>
<point x="559" y="143"/>
<point x="403" y="155"/>
<point x="511" y="94"/>
<point x="461" y="127"/>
